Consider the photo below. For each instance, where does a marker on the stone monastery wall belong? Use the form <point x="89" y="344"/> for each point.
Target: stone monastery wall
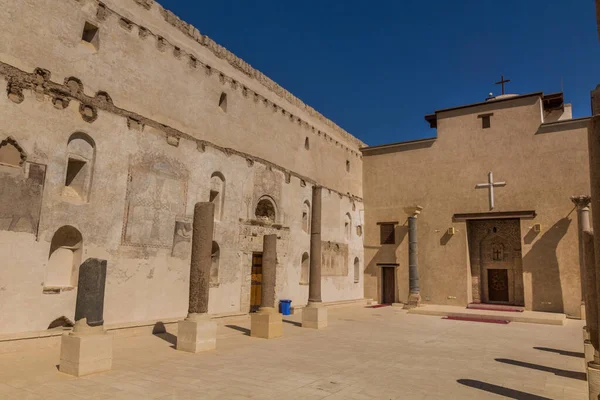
<point x="113" y="142"/>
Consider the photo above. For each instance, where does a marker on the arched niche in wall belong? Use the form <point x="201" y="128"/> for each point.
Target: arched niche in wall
<point x="81" y="157"/>
<point x="347" y="226"/>
<point x="214" y="266"/>
<point x="305" y="269"/>
<point x="356" y="270"/>
<point x="65" y="257"/>
<point x="306" y="216"/>
<point x="266" y="210"/>
<point x="217" y="193"/>
<point x="11" y="154"/>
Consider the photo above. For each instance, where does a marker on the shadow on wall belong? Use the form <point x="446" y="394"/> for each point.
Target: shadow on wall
<point x="386" y="254"/>
<point x="542" y="264"/>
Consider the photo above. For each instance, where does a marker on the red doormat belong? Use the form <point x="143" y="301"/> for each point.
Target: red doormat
<point x="488" y="321"/>
<point x="379" y="306"/>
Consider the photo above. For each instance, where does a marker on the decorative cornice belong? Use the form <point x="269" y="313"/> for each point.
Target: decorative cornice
<point x="72" y="89"/>
<point x="221" y="52"/>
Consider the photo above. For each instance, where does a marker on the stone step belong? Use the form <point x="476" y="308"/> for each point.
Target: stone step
<point x="533" y="317"/>
<point x="495" y="307"/>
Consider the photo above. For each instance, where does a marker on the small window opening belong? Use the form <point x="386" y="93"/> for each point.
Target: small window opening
<point x="347" y="166"/>
<point x="91" y="34"/>
<point x="223" y="102"/>
<point x="306" y="144"/>
<point x="485" y="122"/>
<point x="387" y="234"/>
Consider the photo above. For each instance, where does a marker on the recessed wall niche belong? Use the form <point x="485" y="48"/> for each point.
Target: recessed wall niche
<point x="81" y="155"/>
<point x="64" y="258"/>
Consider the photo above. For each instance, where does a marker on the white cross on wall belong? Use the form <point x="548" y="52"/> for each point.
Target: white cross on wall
<point x="491" y="184"/>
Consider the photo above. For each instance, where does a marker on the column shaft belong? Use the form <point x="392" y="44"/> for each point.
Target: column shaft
<point x="591" y="293"/>
<point x="269" y="271"/>
<point x="314" y="294"/>
<point x="202" y="235"/>
<point x="413" y="268"/>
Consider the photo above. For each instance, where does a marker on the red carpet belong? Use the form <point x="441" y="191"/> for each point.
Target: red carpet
<point x="379" y="306"/>
<point x="489" y="321"/>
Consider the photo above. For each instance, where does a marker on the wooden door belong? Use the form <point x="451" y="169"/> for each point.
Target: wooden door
<point x="256" y="278"/>
<point x="498" y="285"/>
<point x="388" y="284"/>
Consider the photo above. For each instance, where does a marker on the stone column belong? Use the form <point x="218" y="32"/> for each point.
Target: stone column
<point x="594" y="152"/>
<point x="267" y="322"/>
<point x="591" y="296"/>
<point x="197" y="332"/>
<point x="414" y="297"/>
<point x="88" y="348"/>
<point x="314" y="315"/>
<point x="583" y="223"/>
<point x="314" y="291"/>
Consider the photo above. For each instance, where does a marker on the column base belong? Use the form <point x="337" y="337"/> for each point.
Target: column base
<point x="414" y="301"/>
<point x="196" y="333"/>
<point x="87" y="350"/>
<point x="593" y="377"/>
<point x="267" y="323"/>
<point x="588" y="351"/>
<point x="314" y="316"/>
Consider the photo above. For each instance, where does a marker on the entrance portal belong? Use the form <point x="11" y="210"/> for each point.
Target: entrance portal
<point x="388" y="285"/>
<point x="496" y="264"/>
<point x="255" y="289"/>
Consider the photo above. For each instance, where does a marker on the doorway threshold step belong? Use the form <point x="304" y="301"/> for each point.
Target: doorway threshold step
<point x="533" y="317"/>
<point x="495" y="307"/>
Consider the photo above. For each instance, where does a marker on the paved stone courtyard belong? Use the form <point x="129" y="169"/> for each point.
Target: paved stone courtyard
<point x="365" y="353"/>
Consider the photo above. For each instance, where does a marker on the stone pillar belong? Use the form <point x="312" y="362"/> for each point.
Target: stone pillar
<point x="583" y="224"/>
<point x="88" y="348"/>
<point x="267" y="322"/>
<point x="198" y="332"/>
<point x="314" y="315"/>
<point x="591" y="296"/>
<point x="414" y="297"/>
<point x="594" y="152"/>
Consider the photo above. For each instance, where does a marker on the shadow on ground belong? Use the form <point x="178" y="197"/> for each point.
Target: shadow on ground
<point x="556" y="371"/>
<point x="160" y="331"/>
<point x="562" y="352"/>
<point x="245" y="331"/>
<point x="287" y="321"/>
<point x="500" y="390"/>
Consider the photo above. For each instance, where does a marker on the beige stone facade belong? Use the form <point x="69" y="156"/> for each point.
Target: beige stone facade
<point x="524" y="251"/>
<point x="118" y="118"/>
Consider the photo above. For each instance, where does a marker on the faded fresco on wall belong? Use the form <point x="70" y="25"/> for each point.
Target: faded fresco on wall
<point x="21" y="191"/>
<point x="334" y="257"/>
<point x="156" y="197"/>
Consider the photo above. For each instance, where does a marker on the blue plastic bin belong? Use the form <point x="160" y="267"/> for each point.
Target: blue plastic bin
<point x="285" y="306"/>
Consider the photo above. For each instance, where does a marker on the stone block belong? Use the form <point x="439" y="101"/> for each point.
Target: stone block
<point x="195" y="335"/>
<point x="266" y="325"/>
<point x="314" y="317"/>
<point x="593" y="377"/>
<point x="85" y="354"/>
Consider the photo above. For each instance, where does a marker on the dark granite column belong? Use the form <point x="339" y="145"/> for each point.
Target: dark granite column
<point x="269" y="271"/>
<point x="414" y="297"/>
<point x="90" y="292"/>
<point x="314" y="292"/>
<point x="202" y="235"/>
<point x="583" y="224"/>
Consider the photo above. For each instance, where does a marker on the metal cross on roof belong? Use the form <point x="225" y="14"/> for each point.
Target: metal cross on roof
<point x="502" y="82"/>
<point x="491" y="185"/>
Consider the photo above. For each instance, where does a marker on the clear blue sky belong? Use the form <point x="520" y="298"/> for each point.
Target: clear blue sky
<point x="377" y="67"/>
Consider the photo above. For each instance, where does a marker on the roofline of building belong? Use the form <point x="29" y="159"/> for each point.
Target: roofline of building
<point x="397" y="144"/>
<point x="556" y="97"/>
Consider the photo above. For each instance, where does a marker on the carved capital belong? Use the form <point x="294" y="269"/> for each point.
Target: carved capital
<point x="582" y="201"/>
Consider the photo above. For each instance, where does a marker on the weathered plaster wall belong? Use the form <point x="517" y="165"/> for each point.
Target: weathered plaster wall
<point x="143" y="182"/>
<point x="144" y="63"/>
<point x="542" y="165"/>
